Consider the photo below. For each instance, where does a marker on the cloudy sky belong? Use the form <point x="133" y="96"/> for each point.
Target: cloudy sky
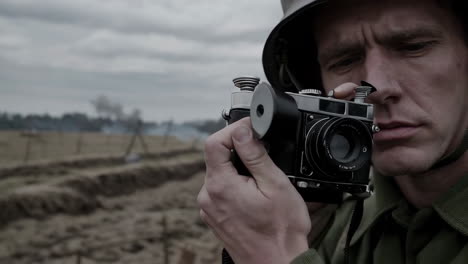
<point x="172" y="59"/>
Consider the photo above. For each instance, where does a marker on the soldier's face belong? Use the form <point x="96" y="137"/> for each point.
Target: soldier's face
<point x="415" y="54"/>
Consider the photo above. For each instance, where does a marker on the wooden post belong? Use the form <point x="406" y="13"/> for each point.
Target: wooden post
<point x="165" y="240"/>
<point x="195" y="143"/>
<point x="78" y="258"/>
<point x="108" y="142"/>
<point x="44" y="147"/>
<point x="79" y="143"/>
<point x="137" y="133"/>
<point x="62" y="151"/>
<point x="143" y="143"/>
<point x="139" y="126"/>
<point x="168" y="132"/>
<point x="130" y="145"/>
<point x="28" y="148"/>
<point x="187" y="257"/>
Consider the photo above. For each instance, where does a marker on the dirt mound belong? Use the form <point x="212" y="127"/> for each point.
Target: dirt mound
<point x="40" y="202"/>
<point x="148" y="226"/>
<point x="80" y="194"/>
<point x="133" y="178"/>
<point x="62" y="166"/>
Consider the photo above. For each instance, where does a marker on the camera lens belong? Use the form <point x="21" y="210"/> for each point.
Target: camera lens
<point x="338" y="144"/>
<point x="341" y="148"/>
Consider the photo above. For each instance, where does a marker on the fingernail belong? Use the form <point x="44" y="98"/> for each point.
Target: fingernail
<point x="242" y="134"/>
<point x="330" y="93"/>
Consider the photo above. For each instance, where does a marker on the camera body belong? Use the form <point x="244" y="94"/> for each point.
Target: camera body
<point x="322" y="144"/>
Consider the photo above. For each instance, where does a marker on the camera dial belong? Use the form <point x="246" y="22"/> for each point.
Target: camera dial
<point x="315" y="92"/>
<point x="246" y="83"/>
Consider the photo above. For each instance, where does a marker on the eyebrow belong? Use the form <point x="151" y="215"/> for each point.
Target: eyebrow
<point x="344" y="47"/>
<point x="408" y="35"/>
<point x="340" y="49"/>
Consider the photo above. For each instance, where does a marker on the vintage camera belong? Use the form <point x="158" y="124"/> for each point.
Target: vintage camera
<point x="323" y="144"/>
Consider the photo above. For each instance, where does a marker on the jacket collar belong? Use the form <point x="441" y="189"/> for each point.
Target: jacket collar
<point x="386" y="197"/>
<point x="451" y="206"/>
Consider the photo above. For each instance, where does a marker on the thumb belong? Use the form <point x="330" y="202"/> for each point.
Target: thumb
<point x="255" y="157"/>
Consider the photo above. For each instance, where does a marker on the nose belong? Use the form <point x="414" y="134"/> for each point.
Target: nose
<point x="379" y="71"/>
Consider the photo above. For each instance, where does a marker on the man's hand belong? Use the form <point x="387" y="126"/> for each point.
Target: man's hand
<point x="260" y="219"/>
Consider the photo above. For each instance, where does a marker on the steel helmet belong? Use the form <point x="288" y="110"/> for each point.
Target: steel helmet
<point x="289" y="56"/>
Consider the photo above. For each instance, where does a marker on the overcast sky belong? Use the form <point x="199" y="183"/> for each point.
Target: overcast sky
<point x="169" y="58"/>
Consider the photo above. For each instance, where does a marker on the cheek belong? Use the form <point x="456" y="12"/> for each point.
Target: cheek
<point x="450" y="83"/>
<point x="438" y="83"/>
<point x="442" y="95"/>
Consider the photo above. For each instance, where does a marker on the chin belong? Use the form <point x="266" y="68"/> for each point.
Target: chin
<point x="402" y="161"/>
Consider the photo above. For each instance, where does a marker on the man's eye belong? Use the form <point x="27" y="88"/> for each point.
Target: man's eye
<point x="344" y="63"/>
<point x="415" y="48"/>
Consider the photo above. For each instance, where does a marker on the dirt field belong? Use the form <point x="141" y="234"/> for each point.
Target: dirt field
<point x="101" y="208"/>
<point x="19" y="147"/>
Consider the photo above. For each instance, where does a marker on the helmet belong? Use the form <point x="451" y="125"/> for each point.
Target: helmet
<point x="283" y="65"/>
<point x="289" y="56"/>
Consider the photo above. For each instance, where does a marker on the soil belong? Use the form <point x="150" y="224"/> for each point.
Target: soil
<point x="141" y="212"/>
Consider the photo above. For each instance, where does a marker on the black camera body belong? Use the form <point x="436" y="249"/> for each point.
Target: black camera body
<point x="322" y="144"/>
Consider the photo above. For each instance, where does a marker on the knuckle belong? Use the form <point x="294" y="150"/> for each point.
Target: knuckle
<point x="217" y="190"/>
<point x="213" y="149"/>
<point x="284" y="185"/>
<point x="203" y="199"/>
<point x="283" y="181"/>
<point x="203" y="216"/>
<point x="211" y="143"/>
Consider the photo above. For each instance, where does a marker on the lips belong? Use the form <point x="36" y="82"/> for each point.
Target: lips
<point x="395" y="131"/>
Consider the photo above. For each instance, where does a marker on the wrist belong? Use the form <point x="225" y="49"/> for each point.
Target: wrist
<point x="277" y="253"/>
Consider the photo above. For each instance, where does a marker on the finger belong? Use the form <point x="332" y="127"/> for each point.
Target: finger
<point x="345" y="91"/>
<point x="205" y="217"/>
<point x="210" y="223"/>
<point x="255" y="157"/>
<point x="218" y="149"/>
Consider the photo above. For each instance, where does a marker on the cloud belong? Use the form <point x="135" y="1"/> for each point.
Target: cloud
<point x="202" y="20"/>
<point x="168" y="58"/>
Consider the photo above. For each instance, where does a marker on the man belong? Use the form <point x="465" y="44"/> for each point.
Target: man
<point x="416" y="54"/>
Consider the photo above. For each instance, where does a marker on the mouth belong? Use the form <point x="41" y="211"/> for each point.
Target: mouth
<point x="395" y="131"/>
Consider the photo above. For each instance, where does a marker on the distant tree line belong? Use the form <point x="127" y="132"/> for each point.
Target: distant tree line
<point x="207" y="126"/>
<point x="82" y="122"/>
<point x="45" y="122"/>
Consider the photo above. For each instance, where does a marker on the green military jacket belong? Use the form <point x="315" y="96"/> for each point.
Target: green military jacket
<point x="392" y="231"/>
